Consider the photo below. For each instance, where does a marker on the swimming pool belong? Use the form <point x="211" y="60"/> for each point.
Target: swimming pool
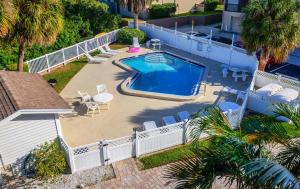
<point x="164" y="73"/>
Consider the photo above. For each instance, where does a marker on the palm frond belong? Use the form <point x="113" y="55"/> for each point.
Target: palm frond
<point x="211" y="121"/>
<point x="289" y="111"/>
<point x="202" y="170"/>
<point x="270" y="174"/>
<point x="290" y="157"/>
<point x="262" y="129"/>
<point x="7" y="16"/>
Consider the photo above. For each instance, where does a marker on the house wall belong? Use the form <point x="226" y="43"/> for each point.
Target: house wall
<point x="230" y="21"/>
<point x="22" y="134"/>
<point x="186" y="20"/>
<point x="183" y="6"/>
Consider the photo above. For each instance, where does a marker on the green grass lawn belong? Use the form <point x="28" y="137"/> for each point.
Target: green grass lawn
<point x="291" y="129"/>
<point x="165" y="157"/>
<point x="65" y="73"/>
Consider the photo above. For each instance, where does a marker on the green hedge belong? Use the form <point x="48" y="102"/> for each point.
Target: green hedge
<point x="125" y="35"/>
<point x="210" y="5"/>
<point x="162" y="10"/>
<point x="14" y="67"/>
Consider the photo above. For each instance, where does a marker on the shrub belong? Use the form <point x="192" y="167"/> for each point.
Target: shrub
<point x="125" y="35"/>
<point x="162" y="10"/>
<point x="210" y="5"/>
<point x="13" y="67"/>
<point x="49" y="160"/>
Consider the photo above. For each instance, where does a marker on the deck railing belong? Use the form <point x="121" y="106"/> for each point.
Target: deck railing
<point x="68" y="54"/>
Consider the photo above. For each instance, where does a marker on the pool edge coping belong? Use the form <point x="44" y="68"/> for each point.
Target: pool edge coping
<point x="128" y="91"/>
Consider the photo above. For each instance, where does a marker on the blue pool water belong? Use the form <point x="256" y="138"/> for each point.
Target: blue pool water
<point x="164" y="73"/>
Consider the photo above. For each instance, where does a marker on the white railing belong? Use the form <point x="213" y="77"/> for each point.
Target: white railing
<point x="65" y="55"/>
<point x="224" y="53"/>
<point x="262" y="103"/>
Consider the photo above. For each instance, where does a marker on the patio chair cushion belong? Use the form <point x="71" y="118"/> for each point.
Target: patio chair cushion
<point x="149" y="125"/>
<point x="183" y="116"/>
<point x="168" y="120"/>
<point x="286" y="95"/>
<point x="269" y="89"/>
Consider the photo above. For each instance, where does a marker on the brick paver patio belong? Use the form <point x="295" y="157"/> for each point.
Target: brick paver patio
<point x="129" y="177"/>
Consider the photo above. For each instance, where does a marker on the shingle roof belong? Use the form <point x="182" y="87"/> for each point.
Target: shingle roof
<point x="19" y="91"/>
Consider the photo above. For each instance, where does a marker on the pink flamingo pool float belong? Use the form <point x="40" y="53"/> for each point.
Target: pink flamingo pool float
<point x="134" y="50"/>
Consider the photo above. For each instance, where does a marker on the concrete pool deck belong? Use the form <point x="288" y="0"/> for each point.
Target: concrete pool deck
<point x="128" y="112"/>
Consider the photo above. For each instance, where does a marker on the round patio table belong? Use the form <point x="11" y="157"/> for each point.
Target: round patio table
<point x="103" y="98"/>
<point x="226" y="106"/>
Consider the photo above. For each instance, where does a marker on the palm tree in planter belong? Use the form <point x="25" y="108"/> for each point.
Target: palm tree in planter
<point x="272" y="27"/>
<point x="136" y="7"/>
<point x="6" y="17"/>
<point x="37" y="22"/>
<point x="240" y="157"/>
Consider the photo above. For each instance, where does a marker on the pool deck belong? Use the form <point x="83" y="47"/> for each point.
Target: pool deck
<point x="128" y="112"/>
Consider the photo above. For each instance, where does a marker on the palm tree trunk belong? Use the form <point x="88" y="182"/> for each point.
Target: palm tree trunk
<point x="136" y="20"/>
<point x="263" y="60"/>
<point x="21" y="56"/>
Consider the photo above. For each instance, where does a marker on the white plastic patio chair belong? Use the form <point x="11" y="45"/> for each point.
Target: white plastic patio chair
<point x="183" y="116"/>
<point x="101" y="88"/>
<point x="92" y="107"/>
<point x="148" y="125"/>
<point x="168" y="120"/>
<point x="108" y="49"/>
<point x="240" y="74"/>
<point x="136" y="43"/>
<point x="85" y="97"/>
<point x="94" y="59"/>
<point x="106" y="53"/>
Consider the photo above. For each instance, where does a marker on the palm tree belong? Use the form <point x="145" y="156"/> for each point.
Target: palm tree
<point x="136" y="7"/>
<point x="6" y="17"/>
<point x="272" y="27"/>
<point x="222" y="154"/>
<point x="37" y="22"/>
<point x="240" y="157"/>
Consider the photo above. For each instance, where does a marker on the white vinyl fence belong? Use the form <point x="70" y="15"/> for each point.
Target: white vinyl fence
<point x="140" y="143"/>
<point x="65" y="55"/>
<point x="224" y="53"/>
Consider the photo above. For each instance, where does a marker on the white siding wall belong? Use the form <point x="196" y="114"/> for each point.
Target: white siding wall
<point x="19" y="136"/>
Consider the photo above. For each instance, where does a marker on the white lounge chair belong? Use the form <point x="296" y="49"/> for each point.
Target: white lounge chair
<point x="92" y="107"/>
<point x="148" y="125"/>
<point x="85" y="97"/>
<point x="168" y="120"/>
<point x="104" y="52"/>
<point x="101" y="88"/>
<point x="108" y="49"/>
<point x="136" y="43"/>
<point x="183" y="116"/>
<point x="95" y="59"/>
